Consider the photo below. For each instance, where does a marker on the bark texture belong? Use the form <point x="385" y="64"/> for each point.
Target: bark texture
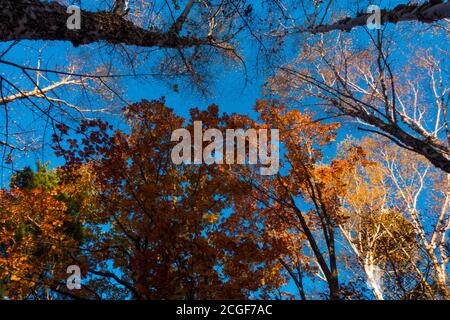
<point x="35" y="20"/>
<point x="428" y="12"/>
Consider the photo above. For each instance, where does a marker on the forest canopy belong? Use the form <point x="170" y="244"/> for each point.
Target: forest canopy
<point x="136" y="140"/>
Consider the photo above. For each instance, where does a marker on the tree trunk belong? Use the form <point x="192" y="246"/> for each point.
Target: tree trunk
<point x="429" y="12"/>
<point x="373" y="280"/>
<point x="33" y="20"/>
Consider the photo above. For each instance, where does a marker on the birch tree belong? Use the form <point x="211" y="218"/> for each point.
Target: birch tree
<point x="363" y="85"/>
<point x="399" y="222"/>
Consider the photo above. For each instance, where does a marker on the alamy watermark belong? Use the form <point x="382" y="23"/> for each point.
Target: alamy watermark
<point x="74" y="280"/>
<point x="121" y="8"/>
<point x="374" y="20"/>
<point x="74" y="20"/>
<point x="249" y="146"/>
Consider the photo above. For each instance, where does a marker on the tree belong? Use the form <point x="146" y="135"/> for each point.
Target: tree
<point x="301" y="206"/>
<point x="42" y="218"/>
<point x="427" y="12"/>
<point x="363" y="85"/>
<point x="399" y="217"/>
<point x="97" y="26"/>
<point x="166" y="225"/>
<point x="260" y="230"/>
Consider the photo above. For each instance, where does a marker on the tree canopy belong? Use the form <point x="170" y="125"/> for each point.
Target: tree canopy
<point x="355" y="117"/>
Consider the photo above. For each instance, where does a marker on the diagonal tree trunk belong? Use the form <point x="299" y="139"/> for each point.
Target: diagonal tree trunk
<point x="34" y="20"/>
<point x="429" y="12"/>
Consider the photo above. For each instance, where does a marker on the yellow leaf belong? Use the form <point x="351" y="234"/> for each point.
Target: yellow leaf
<point x="14" y="278"/>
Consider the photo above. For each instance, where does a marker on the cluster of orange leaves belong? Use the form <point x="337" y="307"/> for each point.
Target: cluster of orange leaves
<point x="189" y="231"/>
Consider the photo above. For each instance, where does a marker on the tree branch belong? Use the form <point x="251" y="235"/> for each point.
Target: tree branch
<point x="22" y="20"/>
<point x="428" y="12"/>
